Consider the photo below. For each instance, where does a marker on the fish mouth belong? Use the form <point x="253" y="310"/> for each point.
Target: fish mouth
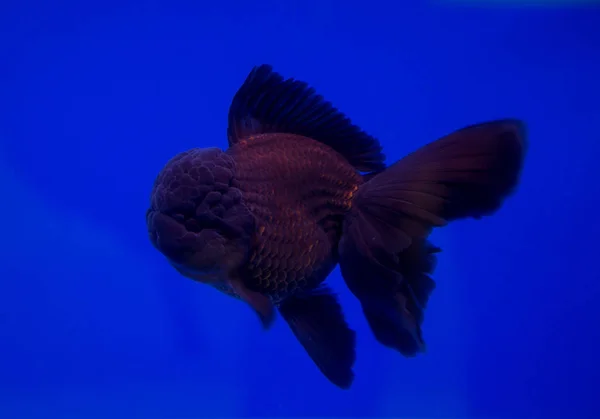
<point x="170" y="236"/>
<point x="193" y="245"/>
<point x="191" y="253"/>
<point x="207" y="274"/>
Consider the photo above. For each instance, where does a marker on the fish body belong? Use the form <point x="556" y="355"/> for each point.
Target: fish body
<point x="299" y="193"/>
<point x="300" y="190"/>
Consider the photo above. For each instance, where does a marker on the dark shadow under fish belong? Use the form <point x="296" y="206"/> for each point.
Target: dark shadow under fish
<point x="301" y="189"/>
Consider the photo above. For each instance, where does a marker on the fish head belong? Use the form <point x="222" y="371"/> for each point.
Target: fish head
<point x="197" y="218"/>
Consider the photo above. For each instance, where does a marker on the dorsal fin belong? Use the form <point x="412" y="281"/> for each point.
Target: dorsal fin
<point x="268" y="103"/>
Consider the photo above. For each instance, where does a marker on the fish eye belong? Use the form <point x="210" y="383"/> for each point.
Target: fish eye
<point x="178" y="217"/>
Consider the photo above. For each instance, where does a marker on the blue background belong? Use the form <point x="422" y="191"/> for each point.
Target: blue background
<point x="96" y="96"/>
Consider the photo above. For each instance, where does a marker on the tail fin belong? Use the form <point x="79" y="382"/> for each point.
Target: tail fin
<point x="385" y="257"/>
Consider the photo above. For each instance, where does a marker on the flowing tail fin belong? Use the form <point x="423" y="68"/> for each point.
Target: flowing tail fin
<point x="385" y="257"/>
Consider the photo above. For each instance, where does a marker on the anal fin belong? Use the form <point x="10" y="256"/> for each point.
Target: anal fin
<point x="394" y="326"/>
<point x="393" y="293"/>
<point x="317" y="321"/>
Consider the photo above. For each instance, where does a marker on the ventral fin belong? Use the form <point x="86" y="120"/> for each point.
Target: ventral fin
<point x="317" y="321"/>
<point x="268" y="103"/>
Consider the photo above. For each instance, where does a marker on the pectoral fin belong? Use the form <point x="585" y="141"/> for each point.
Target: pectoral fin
<point x="260" y="303"/>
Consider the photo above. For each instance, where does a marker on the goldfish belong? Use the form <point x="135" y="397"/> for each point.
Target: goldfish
<point x="300" y="190"/>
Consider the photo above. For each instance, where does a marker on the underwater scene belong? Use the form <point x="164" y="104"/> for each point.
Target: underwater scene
<point x="293" y="209"/>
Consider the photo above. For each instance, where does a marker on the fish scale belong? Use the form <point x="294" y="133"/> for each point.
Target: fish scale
<point x="293" y="191"/>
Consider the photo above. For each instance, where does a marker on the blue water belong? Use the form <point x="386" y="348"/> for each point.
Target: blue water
<point x="95" y="97"/>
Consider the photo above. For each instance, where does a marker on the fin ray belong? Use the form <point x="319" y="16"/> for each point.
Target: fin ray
<point x="268" y="103"/>
<point x="317" y="321"/>
<point x="385" y="257"/>
<point x="261" y="304"/>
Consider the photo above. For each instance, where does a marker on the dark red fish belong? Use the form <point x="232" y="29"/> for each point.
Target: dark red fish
<point x="301" y="189"/>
